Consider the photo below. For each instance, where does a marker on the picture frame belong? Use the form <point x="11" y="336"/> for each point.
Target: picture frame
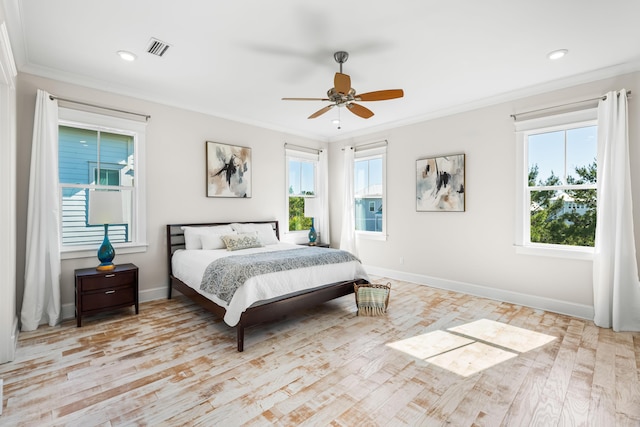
<point x="229" y="170"/>
<point x="440" y="184"/>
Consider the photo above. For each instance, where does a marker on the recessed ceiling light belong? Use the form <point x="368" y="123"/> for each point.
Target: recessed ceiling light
<point x="126" y="55"/>
<point x="557" y="54"/>
<point x="335" y="121"/>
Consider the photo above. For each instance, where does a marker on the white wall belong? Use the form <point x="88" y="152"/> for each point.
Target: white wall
<point x="473" y="251"/>
<point x="175" y="145"/>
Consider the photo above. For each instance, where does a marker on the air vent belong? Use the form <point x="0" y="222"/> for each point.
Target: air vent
<point x="157" y="47"/>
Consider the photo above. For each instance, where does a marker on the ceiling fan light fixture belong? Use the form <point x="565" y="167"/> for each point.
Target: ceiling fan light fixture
<point x="126" y="55"/>
<point x="343" y="95"/>
<point x="557" y="54"/>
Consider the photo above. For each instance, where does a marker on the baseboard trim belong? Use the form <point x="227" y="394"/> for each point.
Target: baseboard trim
<point x="556" y="306"/>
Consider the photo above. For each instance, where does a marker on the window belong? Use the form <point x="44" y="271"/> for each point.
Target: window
<point x="368" y="190"/>
<point x="558" y="181"/>
<point x="301" y="185"/>
<point x="97" y="152"/>
<point x="104" y="176"/>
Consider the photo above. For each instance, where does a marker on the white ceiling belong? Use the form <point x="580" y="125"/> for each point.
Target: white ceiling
<point x="237" y="59"/>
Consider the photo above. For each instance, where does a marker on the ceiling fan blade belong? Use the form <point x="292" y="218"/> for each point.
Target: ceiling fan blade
<point x="380" y="95"/>
<point x="321" y="111"/>
<point x="359" y="110"/>
<point x="306" y="99"/>
<point x="342" y="83"/>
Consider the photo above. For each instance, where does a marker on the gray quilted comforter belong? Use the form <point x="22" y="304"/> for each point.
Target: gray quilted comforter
<point x="223" y="276"/>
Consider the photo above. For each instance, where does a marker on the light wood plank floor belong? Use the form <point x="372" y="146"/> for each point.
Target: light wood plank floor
<point x="437" y="358"/>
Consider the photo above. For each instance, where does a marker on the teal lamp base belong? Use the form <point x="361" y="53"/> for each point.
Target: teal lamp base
<point x="106" y="253"/>
<point x="313" y="236"/>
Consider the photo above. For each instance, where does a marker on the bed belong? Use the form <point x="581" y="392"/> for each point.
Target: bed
<point x="261" y="298"/>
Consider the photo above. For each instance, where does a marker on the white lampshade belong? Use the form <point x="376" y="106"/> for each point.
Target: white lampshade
<point x="105" y="207"/>
<point x="311" y="207"/>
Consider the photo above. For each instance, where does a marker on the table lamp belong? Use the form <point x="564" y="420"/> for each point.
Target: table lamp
<point x="311" y="209"/>
<point x="105" y="207"/>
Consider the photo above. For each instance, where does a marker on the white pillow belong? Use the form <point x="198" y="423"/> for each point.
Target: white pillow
<point x="265" y="231"/>
<point x="212" y="241"/>
<point x="192" y="234"/>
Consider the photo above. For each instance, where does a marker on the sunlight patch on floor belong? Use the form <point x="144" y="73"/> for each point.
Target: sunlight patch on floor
<point x="470" y="348"/>
<point x="503" y="335"/>
<point x="471" y="359"/>
<point x="430" y="344"/>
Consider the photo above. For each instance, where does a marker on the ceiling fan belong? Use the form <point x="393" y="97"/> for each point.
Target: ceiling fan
<point x="343" y="95"/>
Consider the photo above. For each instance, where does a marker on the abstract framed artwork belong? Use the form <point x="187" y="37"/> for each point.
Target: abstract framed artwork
<point x="228" y="170"/>
<point x="440" y="184"/>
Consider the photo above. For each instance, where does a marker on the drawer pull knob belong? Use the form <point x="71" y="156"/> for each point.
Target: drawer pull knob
<point x="110" y="292"/>
<point x="109" y="275"/>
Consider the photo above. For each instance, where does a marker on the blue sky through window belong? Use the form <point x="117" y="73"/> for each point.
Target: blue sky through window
<point x="301" y="178"/>
<point x="547" y="150"/>
<point x="368" y="176"/>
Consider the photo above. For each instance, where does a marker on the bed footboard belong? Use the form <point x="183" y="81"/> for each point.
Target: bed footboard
<point x="280" y="308"/>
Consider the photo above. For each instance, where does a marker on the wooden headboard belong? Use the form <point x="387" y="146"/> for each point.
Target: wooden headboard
<point x="175" y="235"/>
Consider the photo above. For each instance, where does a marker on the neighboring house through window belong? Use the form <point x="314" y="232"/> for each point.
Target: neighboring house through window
<point x="369" y="189"/>
<point x="557" y="172"/>
<point x="98" y="153"/>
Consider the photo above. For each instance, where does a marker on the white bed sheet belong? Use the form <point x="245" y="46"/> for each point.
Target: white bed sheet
<point x="189" y="267"/>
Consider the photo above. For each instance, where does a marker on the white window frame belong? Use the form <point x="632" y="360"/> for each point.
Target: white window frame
<point x="524" y="128"/>
<point x="371" y="151"/>
<point x="312" y="156"/>
<point x="105" y="123"/>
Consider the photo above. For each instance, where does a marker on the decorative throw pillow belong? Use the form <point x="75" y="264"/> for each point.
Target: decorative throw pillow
<point x="242" y="241"/>
<point x="192" y="235"/>
<point x="372" y="299"/>
<point x="265" y="231"/>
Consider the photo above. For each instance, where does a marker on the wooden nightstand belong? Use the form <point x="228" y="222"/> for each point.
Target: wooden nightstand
<point x="98" y="291"/>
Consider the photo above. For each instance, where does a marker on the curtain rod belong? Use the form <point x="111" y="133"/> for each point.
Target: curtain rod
<point x="313" y="150"/>
<point x="146" y="116"/>
<point x="382" y="143"/>
<point x="603" y="98"/>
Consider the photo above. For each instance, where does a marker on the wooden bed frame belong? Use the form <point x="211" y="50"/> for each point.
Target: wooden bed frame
<point x="256" y="314"/>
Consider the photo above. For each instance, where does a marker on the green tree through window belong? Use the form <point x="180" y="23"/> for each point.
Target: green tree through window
<point x="302" y="184"/>
<point x="566" y="217"/>
<point x="297" y="220"/>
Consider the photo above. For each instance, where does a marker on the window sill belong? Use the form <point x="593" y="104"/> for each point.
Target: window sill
<point x="556" y="251"/>
<point x="86" y="252"/>
<point x="368" y="235"/>
<point x="297" y="237"/>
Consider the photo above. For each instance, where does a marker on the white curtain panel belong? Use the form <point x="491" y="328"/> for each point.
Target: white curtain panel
<point x="41" y="300"/>
<point x="616" y="288"/>
<point x="348" y="235"/>
<point x="322" y="220"/>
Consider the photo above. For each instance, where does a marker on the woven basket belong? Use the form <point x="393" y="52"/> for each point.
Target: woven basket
<point x="373" y="299"/>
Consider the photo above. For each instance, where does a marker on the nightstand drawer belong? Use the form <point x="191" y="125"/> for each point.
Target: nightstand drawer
<point x="111" y="297"/>
<point x="109" y="280"/>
